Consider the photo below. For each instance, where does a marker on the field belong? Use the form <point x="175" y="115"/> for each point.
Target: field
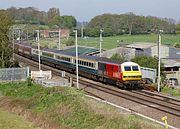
<point x="113" y="42"/>
<point x="65" y="108"/>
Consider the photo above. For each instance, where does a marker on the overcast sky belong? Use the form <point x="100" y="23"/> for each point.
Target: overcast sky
<point x="85" y="10"/>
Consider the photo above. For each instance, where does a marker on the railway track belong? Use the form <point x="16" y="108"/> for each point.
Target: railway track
<point x="172" y="107"/>
<point x="156" y="101"/>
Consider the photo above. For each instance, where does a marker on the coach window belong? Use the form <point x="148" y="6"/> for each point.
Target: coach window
<point x="127" y="68"/>
<point x="92" y="65"/>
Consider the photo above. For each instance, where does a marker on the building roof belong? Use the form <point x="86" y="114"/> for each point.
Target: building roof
<point x="141" y="45"/>
<point x="82" y="50"/>
<point x="171" y="63"/>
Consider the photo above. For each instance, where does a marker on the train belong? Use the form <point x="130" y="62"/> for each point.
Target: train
<point x="120" y="74"/>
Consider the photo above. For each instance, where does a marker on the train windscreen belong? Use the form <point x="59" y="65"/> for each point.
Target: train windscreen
<point x="135" y="68"/>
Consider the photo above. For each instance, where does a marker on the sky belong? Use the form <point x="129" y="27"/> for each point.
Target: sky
<point x="85" y="10"/>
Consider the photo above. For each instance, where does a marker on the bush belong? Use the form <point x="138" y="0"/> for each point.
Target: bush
<point x="70" y="42"/>
<point x="177" y="45"/>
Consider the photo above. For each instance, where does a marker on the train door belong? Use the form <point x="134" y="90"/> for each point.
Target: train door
<point x="109" y="70"/>
<point x="115" y="71"/>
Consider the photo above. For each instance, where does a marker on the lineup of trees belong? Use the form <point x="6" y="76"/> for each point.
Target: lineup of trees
<point x="129" y="23"/>
<point x="31" y="15"/>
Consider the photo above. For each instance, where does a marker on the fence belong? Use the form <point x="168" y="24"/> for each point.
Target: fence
<point x="14" y="74"/>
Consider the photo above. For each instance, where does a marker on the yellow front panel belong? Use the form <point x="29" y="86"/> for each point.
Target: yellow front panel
<point x="132" y="75"/>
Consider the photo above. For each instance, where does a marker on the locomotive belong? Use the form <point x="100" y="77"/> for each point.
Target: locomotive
<point x="121" y="74"/>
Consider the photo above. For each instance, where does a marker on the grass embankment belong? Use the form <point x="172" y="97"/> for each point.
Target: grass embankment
<point x="65" y="108"/>
<point x="114" y="41"/>
<point x="11" y="121"/>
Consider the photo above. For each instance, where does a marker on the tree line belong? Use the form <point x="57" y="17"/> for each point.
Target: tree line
<point x="129" y="23"/>
<point x="112" y="24"/>
<point x="51" y="18"/>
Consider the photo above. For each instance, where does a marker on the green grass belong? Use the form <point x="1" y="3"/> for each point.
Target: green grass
<point x="171" y="91"/>
<point x="69" y="108"/>
<point x="12" y="121"/>
<point x="111" y="42"/>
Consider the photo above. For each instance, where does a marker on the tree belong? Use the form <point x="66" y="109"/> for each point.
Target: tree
<point x="117" y="57"/>
<point x="70" y="42"/>
<point x="56" y="21"/>
<point x="178" y="28"/>
<point x="68" y="22"/>
<point x="5" y="45"/>
<point x="52" y="12"/>
<point x="130" y="21"/>
<point x="177" y="45"/>
<point x="148" y="61"/>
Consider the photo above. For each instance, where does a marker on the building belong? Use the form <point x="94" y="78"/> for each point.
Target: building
<point x="170" y="56"/>
<point x="64" y="33"/>
<point x="125" y="52"/>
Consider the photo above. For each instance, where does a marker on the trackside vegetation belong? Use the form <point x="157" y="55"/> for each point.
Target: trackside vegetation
<point x="171" y="91"/>
<point x="67" y="108"/>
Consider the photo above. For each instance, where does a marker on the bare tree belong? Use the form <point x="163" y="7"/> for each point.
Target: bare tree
<point x="130" y="21"/>
<point x="52" y="12"/>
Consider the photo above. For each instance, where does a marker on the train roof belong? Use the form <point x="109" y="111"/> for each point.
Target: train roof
<point x="92" y="58"/>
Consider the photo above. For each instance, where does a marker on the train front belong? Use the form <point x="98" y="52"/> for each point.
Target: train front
<point x="131" y="74"/>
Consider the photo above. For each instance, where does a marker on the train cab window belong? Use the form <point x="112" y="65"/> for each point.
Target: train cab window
<point x="135" y="68"/>
<point x="127" y="68"/>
